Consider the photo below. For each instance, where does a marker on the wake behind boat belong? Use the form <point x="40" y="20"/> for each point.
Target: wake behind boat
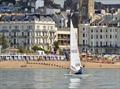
<point x="79" y="76"/>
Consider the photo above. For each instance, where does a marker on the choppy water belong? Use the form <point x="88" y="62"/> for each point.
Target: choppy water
<point x="55" y="79"/>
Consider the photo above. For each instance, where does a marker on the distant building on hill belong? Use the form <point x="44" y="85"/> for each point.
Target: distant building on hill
<point x="27" y="4"/>
<point x="84" y="7"/>
<point x="50" y="3"/>
<point x="111" y="8"/>
<point x="60" y="19"/>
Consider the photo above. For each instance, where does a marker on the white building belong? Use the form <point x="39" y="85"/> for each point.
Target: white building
<point x="63" y="36"/>
<point x="26" y="31"/>
<point x="101" y="36"/>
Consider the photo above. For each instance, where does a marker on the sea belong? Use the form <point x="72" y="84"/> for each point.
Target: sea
<point x="56" y="79"/>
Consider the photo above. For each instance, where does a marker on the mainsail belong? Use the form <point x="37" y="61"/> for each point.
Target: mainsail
<point x="75" y="63"/>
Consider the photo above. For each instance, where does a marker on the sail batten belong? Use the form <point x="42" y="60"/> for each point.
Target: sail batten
<point x="75" y="63"/>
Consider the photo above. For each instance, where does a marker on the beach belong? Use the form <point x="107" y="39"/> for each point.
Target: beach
<point x="53" y="64"/>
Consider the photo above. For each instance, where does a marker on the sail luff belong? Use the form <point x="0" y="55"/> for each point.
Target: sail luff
<point x="75" y="63"/>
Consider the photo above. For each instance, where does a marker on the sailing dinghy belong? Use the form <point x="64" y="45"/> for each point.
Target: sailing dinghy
<point x="76" y="69"/>
<point x="75" y="63"/>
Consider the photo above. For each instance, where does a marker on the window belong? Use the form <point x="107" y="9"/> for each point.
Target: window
<point x="28" y="41"/>
<point x="29" y="27"/>
<point x="97" y="43"/>
<point x="38" y="27"/>
<point x="15" y="41"/>
<point x="91" y="43"/>
<point x="115" y="36"/>
<point x="106" y="30"/>
<point x="100" y="30"/>
<point x="44" y="27"/>
<point x="83" y="35"/>
<point x="116" y="44"/>
<point x="83" y="49"/>
<point x="9" y="27"/>
<point x="110" y="44"/>
<point x="106" y="43"/>
<point x="60" y="21"/>
<point x="106" y="36"/>
<point x="4" y="27"/>
<point x="91" y="30"/>
<point x="15" y="34"/>
<point x="110" y="36"/>
<point x="91" y="36"/>
<point x="16" y="27"/>
<point x="100" y="36"/>
<point x="83" y="29"/>
<point x="100" y="43"/>
<point x="39" y="33"/>
<point x="22" y="33"/>
<point x="43" y="33"/>
<point x="83" y="42"/>
<point x="96" y="36"/>
<point x="110" y="30"/>
<point x="22" y="26"/>
<point x="28" y="33"/>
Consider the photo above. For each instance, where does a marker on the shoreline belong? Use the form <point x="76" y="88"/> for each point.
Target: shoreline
<point x="52" y="64"/>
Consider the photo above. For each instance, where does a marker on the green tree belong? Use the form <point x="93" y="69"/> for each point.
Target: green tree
<point x="4" y="42"/>
<point x="36" y="48"/>
<point x="21" y="50"/>
<point x="56" y="45"/>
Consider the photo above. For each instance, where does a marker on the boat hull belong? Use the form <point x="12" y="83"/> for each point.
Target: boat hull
<point x="79" y="72"/>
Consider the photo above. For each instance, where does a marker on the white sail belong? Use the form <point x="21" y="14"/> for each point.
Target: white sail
<point x="75" y="63"/>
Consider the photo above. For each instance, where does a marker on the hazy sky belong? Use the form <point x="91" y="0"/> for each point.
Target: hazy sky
<point x="104" y="1"/>
<point x="110" y="1"/>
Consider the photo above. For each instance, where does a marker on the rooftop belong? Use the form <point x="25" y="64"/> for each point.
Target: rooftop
<point x="25" y="18"/>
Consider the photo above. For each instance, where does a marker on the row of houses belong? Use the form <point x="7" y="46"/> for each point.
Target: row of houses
<point x="99" y="36"/>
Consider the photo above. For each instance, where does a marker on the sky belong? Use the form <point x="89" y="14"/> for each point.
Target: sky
<point x="109" y="1"/>
<point x="103" y="1"/>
